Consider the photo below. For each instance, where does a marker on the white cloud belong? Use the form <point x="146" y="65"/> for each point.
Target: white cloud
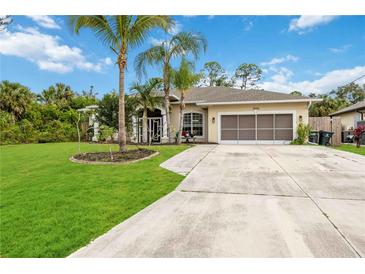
<point x="324" y="84"/>
<point x="176" y="28"/>
<point x="276" y="61"/>
<point x="308" y="22"/>
<point x="156" y="42"/>
<point x="46" y="51"/>
<point x="108" y="61"/>
<point x="45" y="21"/>
<point x="341" y="49"/>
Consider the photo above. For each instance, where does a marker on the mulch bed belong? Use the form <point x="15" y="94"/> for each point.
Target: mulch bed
<point x="115" y="157"/>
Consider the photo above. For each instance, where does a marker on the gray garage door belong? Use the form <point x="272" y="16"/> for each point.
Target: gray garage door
<point x="260" y="127"/>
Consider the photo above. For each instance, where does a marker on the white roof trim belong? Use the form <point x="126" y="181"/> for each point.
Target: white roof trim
<point x="260" y="102"/>
<point x="188" y="102"/>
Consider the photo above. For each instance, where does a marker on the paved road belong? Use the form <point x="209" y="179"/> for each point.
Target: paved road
<point x="250" y="201"/>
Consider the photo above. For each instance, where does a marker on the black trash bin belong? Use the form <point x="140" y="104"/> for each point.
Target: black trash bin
<point x="313" y="137"/>
<point x="325" y="137"/>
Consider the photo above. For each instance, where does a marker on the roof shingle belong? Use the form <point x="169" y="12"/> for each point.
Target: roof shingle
<point x="226" y="94"/>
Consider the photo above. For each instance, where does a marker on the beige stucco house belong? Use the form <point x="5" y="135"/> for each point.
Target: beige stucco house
<point x="231" y="116"/>
<point x="351" y="115"/>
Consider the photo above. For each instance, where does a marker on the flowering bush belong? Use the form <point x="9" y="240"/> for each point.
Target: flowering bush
<point x="358" y="133"/>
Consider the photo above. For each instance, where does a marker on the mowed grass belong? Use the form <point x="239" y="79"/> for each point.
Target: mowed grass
<point x="352" y="148"/>
<point x="50" y="207"/>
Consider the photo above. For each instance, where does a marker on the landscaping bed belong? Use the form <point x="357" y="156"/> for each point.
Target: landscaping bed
<point x="114" y="157"/>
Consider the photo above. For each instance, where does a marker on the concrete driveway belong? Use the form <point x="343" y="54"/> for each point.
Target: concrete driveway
<point x="250" y="201"/>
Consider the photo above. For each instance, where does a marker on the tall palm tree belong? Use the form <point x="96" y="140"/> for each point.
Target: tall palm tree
<point x="183" y="79"/>
<point x="178" y="45"/>
<point x="147" y="99"/>
<point x="121" y="33"/>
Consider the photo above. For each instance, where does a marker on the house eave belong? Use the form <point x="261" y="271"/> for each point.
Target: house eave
<point x="258" y="102"/>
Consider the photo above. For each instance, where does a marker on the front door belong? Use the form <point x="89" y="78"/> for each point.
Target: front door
<point x="154" y="129"/>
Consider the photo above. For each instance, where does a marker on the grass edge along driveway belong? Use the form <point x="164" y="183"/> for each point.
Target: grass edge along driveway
<point x="50" y="207"/>
<point x="352" y="149"/>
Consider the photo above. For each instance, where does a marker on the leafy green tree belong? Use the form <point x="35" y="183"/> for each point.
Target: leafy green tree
<point x="121" y="33"/>
<point x="248" y="75"/>
<point x="352" y="92"/>
<point x="131" y="105"/>
<point x="296" y="93"/>
<point x="15" y="99"/>
<point x="108" y="109"/>
<point x="214" y="75"/>
<point x="161" y="55"/>
<point x="183" y="79"/>
<point x="326" y="106"/>
<point x="147" y="100"/>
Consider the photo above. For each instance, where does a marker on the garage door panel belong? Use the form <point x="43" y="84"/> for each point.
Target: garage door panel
<point x="247" y="135"/>
<point x="283" y="121"/>
<point x="260" y="127"/>
<point x="284" y="134"/>
<point x="229" y="121"/>
<point x="246" y="121"/>
<point x="265" y="134"/>
<point x="229" y="134"/>
<point x="265" y="121"/>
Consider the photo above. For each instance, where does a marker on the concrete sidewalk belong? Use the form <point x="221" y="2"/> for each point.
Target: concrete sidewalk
<point x="185" y="161"/>
<point x="251" y="201"/>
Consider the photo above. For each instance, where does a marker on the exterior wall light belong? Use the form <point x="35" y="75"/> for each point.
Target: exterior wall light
<point x="213" y="120"/>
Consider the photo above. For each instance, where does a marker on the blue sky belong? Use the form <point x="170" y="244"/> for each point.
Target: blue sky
<point x="306" y="53"/>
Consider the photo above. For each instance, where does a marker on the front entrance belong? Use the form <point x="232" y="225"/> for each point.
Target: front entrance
<point x="256" y="128"/>
<point x="154" y="130"/>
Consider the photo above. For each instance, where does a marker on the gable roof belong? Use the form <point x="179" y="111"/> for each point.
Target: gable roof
<point x="354" y="107"/>
<point x="226" y="95"/>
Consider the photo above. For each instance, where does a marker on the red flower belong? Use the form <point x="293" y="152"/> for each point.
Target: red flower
<point x="359" y="130"/>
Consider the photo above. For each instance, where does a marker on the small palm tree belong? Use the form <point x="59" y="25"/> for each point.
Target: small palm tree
<point x="120" y="33"/>
<point x="147" y="99"/>
<point x="178" y="45"/>
<point x="183" y="79"/>
<point x="58" y="93"/>
<point x="15" y="99"/>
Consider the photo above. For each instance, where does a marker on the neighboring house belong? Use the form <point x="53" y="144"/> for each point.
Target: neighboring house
<point x="351" y="115"/>
<point x="231" y="116"/>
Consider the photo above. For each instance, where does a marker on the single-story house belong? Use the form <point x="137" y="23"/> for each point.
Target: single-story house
<point x="230" y="116"/>
<point x="351" y="115"/>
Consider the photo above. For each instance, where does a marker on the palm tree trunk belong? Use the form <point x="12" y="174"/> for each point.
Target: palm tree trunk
<point x="121" y="118"/>
<point x="182" y="107"/>
<point x="166" y="88"/>
<point x="144" y="126"/>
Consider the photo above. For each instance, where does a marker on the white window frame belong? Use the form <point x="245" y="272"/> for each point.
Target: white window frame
<point x="198" y="112"/>
<point x="255" y="112"/>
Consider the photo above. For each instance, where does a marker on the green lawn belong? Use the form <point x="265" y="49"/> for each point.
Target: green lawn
<point x="351" y="148"/>
<point x="50" y="207"/>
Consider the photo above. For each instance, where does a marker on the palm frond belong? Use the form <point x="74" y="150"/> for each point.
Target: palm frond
<point x="188" y="42"/>
<point x="101" y="26"/>
<point x="152" y="56"/>
<point x="143" y="24"/>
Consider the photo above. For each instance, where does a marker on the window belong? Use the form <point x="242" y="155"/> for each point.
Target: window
<point x="193" y="123"/>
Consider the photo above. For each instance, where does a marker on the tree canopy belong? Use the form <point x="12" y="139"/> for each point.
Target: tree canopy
<point x="247" y="75"/>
